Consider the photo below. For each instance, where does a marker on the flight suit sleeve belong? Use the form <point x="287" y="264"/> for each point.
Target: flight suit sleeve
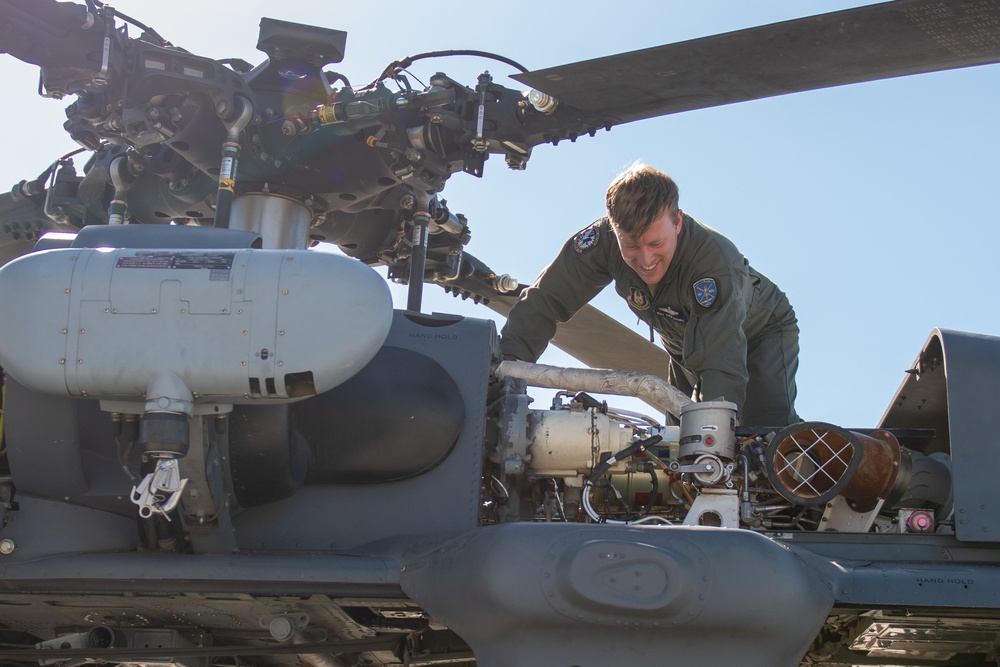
<point x="577" y="274"/>
<point x="715" y="343"/>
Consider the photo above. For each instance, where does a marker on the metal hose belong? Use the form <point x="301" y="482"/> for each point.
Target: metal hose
<point x="654" y="390"/>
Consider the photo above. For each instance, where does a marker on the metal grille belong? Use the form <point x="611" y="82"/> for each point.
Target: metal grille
<point x="810" y="462"/>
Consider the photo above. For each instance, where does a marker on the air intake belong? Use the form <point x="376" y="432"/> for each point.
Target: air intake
<point x="812" y="463"/>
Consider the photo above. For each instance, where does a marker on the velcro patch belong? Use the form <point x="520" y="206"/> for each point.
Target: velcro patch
<point x="638" y="298"/>
<point x="588" y="238"/>
<point x="705" y="292"/>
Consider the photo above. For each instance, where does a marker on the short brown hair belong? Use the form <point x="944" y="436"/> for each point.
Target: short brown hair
<point x="638" y="197"/>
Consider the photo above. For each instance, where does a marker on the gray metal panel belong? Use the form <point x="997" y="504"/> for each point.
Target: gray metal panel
<point x="956" y="386"/>
<point x="900" y="547"/>
<point x="41" y="529"/>
<point x="972" y="369"/>
<point x="446" y="498"/>
<point x="927" y="585"/>
<point x="62" y="448"/>
<point x="537" y="595"/>
<point x="138" y="572"/>
<point x="922" y="399"/>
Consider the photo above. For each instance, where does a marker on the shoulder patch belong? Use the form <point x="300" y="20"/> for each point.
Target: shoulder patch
<point x="638" y="298"/>
<point x="705" y="292"/>
<point x="588" y="238"/>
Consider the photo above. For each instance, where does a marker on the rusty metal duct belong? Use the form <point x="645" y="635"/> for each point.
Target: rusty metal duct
<point x="812" y="463"/>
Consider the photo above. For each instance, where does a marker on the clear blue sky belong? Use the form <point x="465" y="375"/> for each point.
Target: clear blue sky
<point x="873" y="206"/>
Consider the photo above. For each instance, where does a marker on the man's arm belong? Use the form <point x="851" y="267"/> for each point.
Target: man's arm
<point x="569" y="282"/>
<point x="715" y="343"/>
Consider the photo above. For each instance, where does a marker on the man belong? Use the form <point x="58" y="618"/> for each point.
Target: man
<point x="730" y="332"/>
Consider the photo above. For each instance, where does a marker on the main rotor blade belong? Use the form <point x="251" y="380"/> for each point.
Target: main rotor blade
<point x="600" y="341"/>
<point x="863" y="44"/>
<point x="590" y="336"/>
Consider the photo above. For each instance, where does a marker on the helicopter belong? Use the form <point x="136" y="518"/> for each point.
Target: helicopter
<point x="292" y="560"/>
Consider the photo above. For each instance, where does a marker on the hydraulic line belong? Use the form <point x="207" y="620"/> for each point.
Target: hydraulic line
<point x="230" y="157"/>
<point x="602" y="469"/>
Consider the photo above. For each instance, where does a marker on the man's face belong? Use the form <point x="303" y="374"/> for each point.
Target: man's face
<point x="650" y="254"/>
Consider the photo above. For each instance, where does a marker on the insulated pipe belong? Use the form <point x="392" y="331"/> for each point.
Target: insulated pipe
<point x="654" y="390"/>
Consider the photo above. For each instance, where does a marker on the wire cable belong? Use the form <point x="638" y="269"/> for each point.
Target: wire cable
<point x="393" y="69"/>
<point x="602" y="469"/>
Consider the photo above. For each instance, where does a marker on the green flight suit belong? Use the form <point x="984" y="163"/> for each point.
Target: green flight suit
<point x="731" y="333"/>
